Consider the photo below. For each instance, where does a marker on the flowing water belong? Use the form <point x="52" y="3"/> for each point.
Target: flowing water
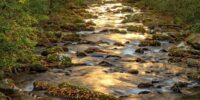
<point x="115" y="79"/>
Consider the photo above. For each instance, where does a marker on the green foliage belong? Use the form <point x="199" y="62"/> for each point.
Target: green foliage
<point x="20" y="20"/>
<point x="196" y="28"/>
<point x="16" y="46"/>
<point x="187" y="10"/>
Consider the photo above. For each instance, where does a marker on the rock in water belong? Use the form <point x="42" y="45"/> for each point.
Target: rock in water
<point x="81" y="54"/>
<point x="133" y="71"/>
<point x="145" y="85"/>
<point x="105" y="63"/>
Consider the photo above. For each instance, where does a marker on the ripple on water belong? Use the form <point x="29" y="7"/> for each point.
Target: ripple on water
<point x="128" y="51"/>
<point x="28" y="87"/>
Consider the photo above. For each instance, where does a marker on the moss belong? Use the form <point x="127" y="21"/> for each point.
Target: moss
<point x="90" y="23"/>
<point x="194" y="77"/>
<point x="193" y="63"/>
<point x="133" y="18"/>
<point x="53" y="58"/>
<point x="161" y="37"/>
<point x="1" y="74"/>
<point x="150" y="43"/>
<point x="71" y="37"/>
<point x="177" y="36"/>
<point x="61" y="60"/>
<point x="194" y="52"/>
<point x="2" y="96"/>
<point x="66" y="61"/>
<point x="81" y="54"/>
<point x="40" y="85"/>
<point x="70" y="91"/>
<point x="55" y="49"/>
<point x="38" y="67"/>
<point x="177" y="52"/>
<point x="127" y="9"/>
<point x="140" y="50"/>
<point x="136" y="29"/>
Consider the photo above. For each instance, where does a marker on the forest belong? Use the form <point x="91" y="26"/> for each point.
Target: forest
<point x="99" y="49"/>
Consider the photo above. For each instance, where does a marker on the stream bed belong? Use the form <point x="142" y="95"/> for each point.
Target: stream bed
<point x="119" y="70"/>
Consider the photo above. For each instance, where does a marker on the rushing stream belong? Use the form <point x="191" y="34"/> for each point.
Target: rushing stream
<point x="119" y="53"/>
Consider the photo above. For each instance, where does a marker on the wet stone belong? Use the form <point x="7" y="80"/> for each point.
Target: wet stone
<point x="113" y="57"/>
<point x="81" y="54"/>
<point x="155" y="81"/>
<point x="140" y="51"/>
<point x="105" y="63"/>
<point x="40" y="85"/>
<point x="127" y="9"/>
<point x="118" y="44"/>
<point x="39" y="68"/>
<point x="150" y="43"/>
<point x="140" y="60"/>
<point x="145" y="85"/>
<point x="92" y="50"/>
<point x="176" y="89"/>
<point x="136" y="29"/>
<point x="163" y="50"/>
<point x="144" y="92"/>
<point x="175" y="60"/>
<point x="44" y="53"/>
<point x="65" y="49"/>
<point x="195" y="77"/>
<point x="133" y="71"/>
<point x="193" y="63"/>
<point x="67" y="73"/>
<point x="87" y="42"/>
<point x="181" y="84"/>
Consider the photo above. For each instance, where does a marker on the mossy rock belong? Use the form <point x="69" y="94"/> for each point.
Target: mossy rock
<point x="60" y="59"/>
<point x="66" y="61"/>
<point x="194" y="77"/>
<point x="161" y="37"/>
<point x="53" y="58"/>
<point x="74" y="27"/>
<point x="177" y="52"/>
<point x="133" y="18"/>
<point x="176" y="36"/>
<point x="90" y="23"/>
<point x="51" y="36"/>
<point x="81" y="54"/>
<point x="38" y="67"/>
<point x="79" y="92"/>
<point x="194" y="52"/>
<point x="136" y="29"/>
<point x="150" y="43"/>
<point x="140" y="50"/>
<point x="55" y="49"/>
<point x="40" y="85"/>
<point x="71" y="37"/>
<point x="127" y="9"/>
<point x="193" y="63"/>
